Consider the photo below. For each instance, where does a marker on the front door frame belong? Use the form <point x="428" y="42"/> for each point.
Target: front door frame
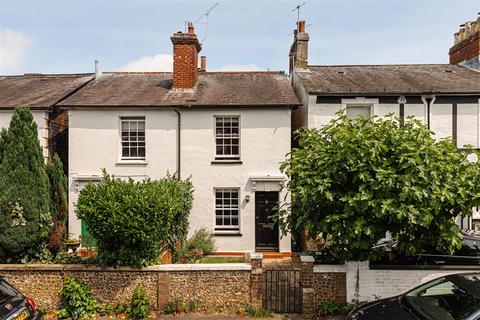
<point x="276" y="247"/>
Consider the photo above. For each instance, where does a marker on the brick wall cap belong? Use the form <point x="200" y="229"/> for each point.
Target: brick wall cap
<point x="163" y="267"/>
<point x="330" y="268"/>
<point x="307" y="259"/>
<point x="255" y="255"/>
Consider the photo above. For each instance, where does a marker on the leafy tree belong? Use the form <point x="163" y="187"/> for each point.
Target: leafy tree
<point x="131" y="219"/>
<point x="59" y="199"/>
<point x="24" y="188"/>
<point x="353" y="180"/>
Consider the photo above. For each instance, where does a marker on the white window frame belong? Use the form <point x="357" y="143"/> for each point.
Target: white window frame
<point x="224" y="228"/>
<point x="127" y="119"/>
<point x="370" y="106"/>
<point x="222" y="157"/>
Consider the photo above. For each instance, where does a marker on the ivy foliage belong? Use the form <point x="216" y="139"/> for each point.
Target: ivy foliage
<point x="77" y="298"/>
<point x="353" y="180"/>
<point x="25" y="218"/>
<point x="59" y="199"/>
<point x="131" y="219"/>
<point x="139" y="307"/>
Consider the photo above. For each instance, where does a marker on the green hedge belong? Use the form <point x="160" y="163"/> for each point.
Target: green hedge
<point x="131" y="219"/>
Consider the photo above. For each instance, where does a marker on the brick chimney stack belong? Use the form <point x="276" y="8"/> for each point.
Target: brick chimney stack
<point x="299" y="48"/>
<point x="466" y="47"/>
<point x="185" y="58"/>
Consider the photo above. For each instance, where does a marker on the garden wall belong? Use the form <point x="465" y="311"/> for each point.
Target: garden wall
<point x="357" y="280"/>
<point x="215" y="287"/>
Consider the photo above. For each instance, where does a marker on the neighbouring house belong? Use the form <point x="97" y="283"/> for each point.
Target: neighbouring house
<point x="40" y="93"/>
<point x="445" y="97"/>
<point x="227" y="131"/>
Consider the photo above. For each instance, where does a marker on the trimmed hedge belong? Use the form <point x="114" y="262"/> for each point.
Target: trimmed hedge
<point x="132" y="219"/>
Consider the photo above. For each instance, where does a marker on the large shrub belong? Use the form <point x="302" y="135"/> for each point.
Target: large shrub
<point x="131" y="219"/>
<point x="353" y="180"/>
<point x="59" y="200"/>
<point x="25" y="218"/>
<point x="202" y="242"/>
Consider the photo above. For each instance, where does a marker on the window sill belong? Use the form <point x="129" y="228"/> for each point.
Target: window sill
<point x="132" y="163"/>
<point x="227" y="162"/>
<point x="227" y="234"/>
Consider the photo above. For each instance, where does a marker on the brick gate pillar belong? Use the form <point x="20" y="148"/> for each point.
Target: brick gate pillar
<point x="307" y="284"/>
<point x="256" y="278"/>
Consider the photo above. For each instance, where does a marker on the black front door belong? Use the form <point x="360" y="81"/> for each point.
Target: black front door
<point x="266" y="232"/>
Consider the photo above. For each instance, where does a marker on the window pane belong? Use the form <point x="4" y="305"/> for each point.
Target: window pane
<point x="356" y="111"/>
<point x="133" y="138"/>
<point x="227" y="208"/>
<point x="227" y="136"/>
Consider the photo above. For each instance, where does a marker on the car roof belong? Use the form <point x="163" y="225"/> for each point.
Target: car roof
<point x="467" y="281"/>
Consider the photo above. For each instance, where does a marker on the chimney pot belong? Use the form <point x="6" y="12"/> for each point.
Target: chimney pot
<point x="191" y="28"/>
<point x="466" y="47"/>
<point x="203" y="63"/>
<point x="301" y="26"/>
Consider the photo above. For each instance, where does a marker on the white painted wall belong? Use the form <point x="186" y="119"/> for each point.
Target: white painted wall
<point x="468" y="116"/>
<point x="94" y="140"/>
<point x="374" y="284"/>
<point x="39" y="116"/>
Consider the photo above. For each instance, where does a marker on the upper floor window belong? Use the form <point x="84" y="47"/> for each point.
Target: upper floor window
<point x="354" y="111"/>
<point x="133" y="138"/>
<point x="227" y="138"/>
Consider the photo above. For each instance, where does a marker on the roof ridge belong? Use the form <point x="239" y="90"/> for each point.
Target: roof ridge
<point x="127" y="73"/>
<point x="247" y="72"/>
<point x="60" y="75"/>
<point x="381" y="65"/>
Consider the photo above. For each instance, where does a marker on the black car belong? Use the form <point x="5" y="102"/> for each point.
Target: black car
<point x="14" y="305"/>
<point x="468" y="254"/>
<point x="453" y="297"/>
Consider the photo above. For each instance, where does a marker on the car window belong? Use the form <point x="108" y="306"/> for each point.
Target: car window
<point x="6" y="291"/>
<point x="444" y="288"/>
<point x="442" y="300"/>
<point x="472" y="243"/>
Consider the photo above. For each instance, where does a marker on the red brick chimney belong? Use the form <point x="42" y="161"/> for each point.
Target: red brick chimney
<point x="185" y="58"/>
<point x="466" y="48"/>
<point x="299" y="48"/>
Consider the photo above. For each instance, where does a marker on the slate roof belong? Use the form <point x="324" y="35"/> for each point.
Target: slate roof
<point x="38" y="91"/>
<point x="212" y="89"/>
<point x="384" y="79"/>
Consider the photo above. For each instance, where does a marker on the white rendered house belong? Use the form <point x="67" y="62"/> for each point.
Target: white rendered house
<point x="445" y="97"/>
<point x="227" y="131"/>
<point x="39" y="93"/>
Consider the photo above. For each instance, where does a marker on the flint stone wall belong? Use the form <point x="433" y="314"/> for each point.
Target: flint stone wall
<point x="213" y="287"/>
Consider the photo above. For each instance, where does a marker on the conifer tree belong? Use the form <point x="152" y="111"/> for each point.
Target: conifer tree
<point x="25" y="217"/>
<point x="59" y="200"/>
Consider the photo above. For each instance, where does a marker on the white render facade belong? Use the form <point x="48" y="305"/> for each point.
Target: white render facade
<point x="41" y="119"/>
<point x="95" y="143"/>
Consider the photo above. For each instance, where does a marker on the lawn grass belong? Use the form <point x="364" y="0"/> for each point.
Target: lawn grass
<point x="222" y="259"/>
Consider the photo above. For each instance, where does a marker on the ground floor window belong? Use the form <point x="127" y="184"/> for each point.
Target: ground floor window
<point x="227" y="209"/>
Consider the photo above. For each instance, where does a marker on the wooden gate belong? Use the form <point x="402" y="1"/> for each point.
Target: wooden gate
<point x="282" y="290"/>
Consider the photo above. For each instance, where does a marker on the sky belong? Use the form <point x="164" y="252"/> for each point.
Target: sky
<point x="67" y="36"/>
